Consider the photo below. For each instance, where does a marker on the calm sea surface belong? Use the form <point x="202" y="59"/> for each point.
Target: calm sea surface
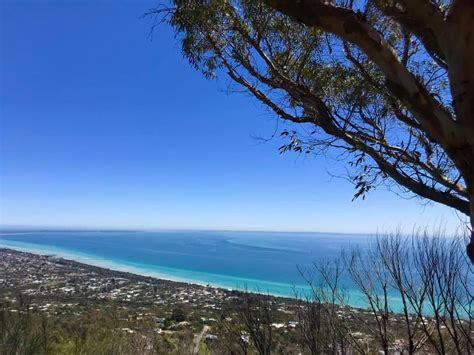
<point x="264" y="261"/>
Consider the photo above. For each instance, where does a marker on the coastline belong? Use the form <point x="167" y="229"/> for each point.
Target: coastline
<point x="105" y="270"/>
<point x="72" y="292"/>
<point x="239" y="269"/>
<point x="153" y="278"/>
<point x="147" y="279"/>
<point x="354" y="297"/>
<point x="126" y="268"/>
<point x="72" y="297"/>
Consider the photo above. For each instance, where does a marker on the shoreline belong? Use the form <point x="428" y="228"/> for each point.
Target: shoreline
<point x="190" y="287"/>
<point x="355" y="298"/>
<point x="173" y="283"/>
<point x="124" y="270"/>
<point x="103" y="270"/>
<point x="223" y="274"/>
<point x="71" y="292"/>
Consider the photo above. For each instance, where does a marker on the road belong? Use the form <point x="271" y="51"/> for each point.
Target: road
<point x="198" y="339"/>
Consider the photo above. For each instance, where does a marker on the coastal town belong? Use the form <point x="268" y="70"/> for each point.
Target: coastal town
<point x="43" y="276"/>
<point x="57" y="285"/>
<point x="63" y="288"/>
<point x="161" y="316"/>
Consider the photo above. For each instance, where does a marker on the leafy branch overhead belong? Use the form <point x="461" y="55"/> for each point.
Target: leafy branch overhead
<point x="388" y="84"/>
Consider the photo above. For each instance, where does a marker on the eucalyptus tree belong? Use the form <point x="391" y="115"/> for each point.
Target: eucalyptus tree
<point x="387" y="84"/>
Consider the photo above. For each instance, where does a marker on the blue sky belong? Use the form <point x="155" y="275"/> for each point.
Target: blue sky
<point x="103" y="128"/>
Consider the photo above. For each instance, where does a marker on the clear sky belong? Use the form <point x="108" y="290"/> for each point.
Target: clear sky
<point x="103" y="128"/>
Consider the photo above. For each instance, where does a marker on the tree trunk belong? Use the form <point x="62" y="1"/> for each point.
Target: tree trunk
<point x="460" y="53"/>
<point x="470" y="246"/>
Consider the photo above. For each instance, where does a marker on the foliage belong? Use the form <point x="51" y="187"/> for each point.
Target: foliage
<point x="178" y="314"/>
<point x="27" y="331"/>
<point x="22" y="332"/>
<point x="378" y="84"/>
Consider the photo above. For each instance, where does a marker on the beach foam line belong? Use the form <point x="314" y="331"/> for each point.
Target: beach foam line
<point x="160" y="272"/>
<point x="355" y="298"/>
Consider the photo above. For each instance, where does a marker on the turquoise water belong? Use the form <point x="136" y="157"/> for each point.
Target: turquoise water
<point x="264" y="261"/>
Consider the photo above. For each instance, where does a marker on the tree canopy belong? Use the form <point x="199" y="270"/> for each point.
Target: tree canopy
<point x="388" y="84"/>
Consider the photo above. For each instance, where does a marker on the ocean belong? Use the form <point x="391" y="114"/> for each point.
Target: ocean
<point x="267" y="262"/>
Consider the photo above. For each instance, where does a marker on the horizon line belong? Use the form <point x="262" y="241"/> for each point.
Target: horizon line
<point x="22" y="228"/>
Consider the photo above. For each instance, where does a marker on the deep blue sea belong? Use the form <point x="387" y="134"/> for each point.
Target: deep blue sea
<point x="263" y="261"/>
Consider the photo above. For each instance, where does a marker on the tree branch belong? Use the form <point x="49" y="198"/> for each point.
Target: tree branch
<point x="351" y="27"/>
<point x="424" y="20"/>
